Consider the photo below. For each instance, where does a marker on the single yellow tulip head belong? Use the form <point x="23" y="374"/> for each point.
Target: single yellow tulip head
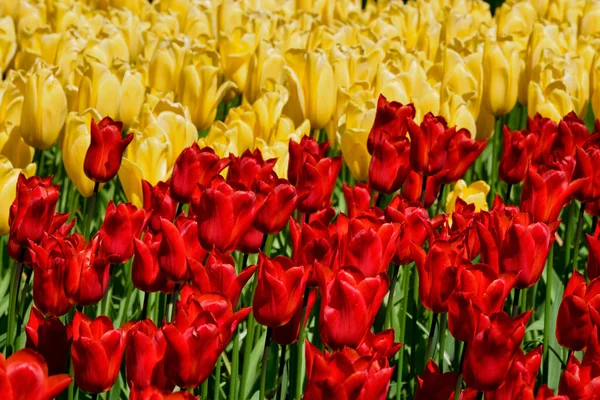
<point x="8" y="189"/>
<point x="13" y="147"/>
<point x="8" y="42"/>
<point x="12" y="90"/>
<point x="475" y="193"/>
<point x="166" y="64"/>
<point x="266" y="64"/>
<point x="236" y="50"/>
<point x="99" y="89"/>
<point x="354" y="132"/>
<point x="595" y="85"/>
<point x="501" y="69"/>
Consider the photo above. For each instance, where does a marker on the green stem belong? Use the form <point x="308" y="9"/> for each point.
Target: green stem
<point x="403" y="312"/>
<point x="12" y="311"/>
<point x="280" y="387"/>
<point x="578" y="237"/>
<point x="547" y="311"/>
<point x="204" y="390"/>
<point x="300" y="344"/>
<point x="235" y="360"/>
<point x="495" y="149"/>
<point x="218" y="379"/>
<point x="569" y="233"/>
<point x="515" y="306"/>
<point x="90" y="211"/>
<point x="443" y="323"/>
<point x="174" y="299"/>
<point x="390" y="304"/>
<point x="431" y="339"/>
<point x="265" y="359"/>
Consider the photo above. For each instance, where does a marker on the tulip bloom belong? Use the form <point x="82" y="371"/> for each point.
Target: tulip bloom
<point x="224" y="215"/>
<point x="349" y="303"/>
<point x="344" y="374"/>
<point x="249" y="168"/>
<point x="144" y="358"/>
<point x="24" y="375"/>
<point x="31" y="212"/>
<point x="492" y="351"/>
<point x="88" y="274"/>
<point x="96" y="352"/>
<point x="172" y="255"/>
<point x="416" y="227"/>
<point x="579" y="379"/>
<point x="311" y="242"/>
<point x="389" y="146"/>
<point x="517" y="152"/>
<point x="158" y="203"/>
<point x="288" y="333"/>
<point x="462" y="151"/>
<point x="122" y="224"/>
<point x="146" y="273"/>
<point x="593" y="261"/>
<point x="193" y="167"/>
<point x="587" y="157"/>
<point x="435" y="385"/>
<point x="501" y="71"/>
<point x="429" y="144"/>
<point x="358" y="199"/>
<point x="279" y="290"/>
<point x="475" y="193"/>
<point x="280" y="202"/>
<point x="520" y="382"/>
<point x="49" y="337"/>
<point x="103" y="157"/>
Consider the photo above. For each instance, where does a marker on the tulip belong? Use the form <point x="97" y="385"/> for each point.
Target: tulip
<point x="579" y="380"/>
<point x="267" y="63"/>
<point x="25" y="376"/>
<point x="44" y="108"/>
<point x="438" y="273"/>
<point x="144" y="357"/>
<point x="219" y="276"/>
<point x="236" y="50"/>
<point x="103" y="157"/>
<point x="572" y="133"/>
<point x="88" y="274"/>
<point x="312" y="87"/>
<point x="501" y="71"/>
<point x="493" y="349"/>
<point x="429" y="144"/>
<point x="172" y="257"/>
<point x="133" y="93"/>
<point x="345" y="374"/>
<point x="288" y="333"/>
<point x="158" y="203"/>
<point x="166" y="64"/>
<point x="279" y="290"/>
<point x="475" y="193"/>
<point x="415" y="230"/>
<point x="249" y="168"/>
<point x="280" y="203"/>
<point x="349" y="302"/>
<point x="520" y="381"/>
<point x="593" y="261"/>
<point x="50" y="338"/>
<point x="546" y="131"/>
<point x="435" y="385"/>
<point x="586" y="157"/>
<point x="13" y="147"/>
<point x="389" y="146"/>
<point x="462" y="153"/>
<point x="193" y="167"/>
<point x="99" y="89"/>
<point x="358" y="199"/>
<point x="122" y="224"/>
<point x="353" y="138"/>
<point x="224" y="215"/>
<point x="517" y="153"/>
<point x="31" y="212"/>
<point x="96" y="352"/>
<point x="201" y="88"/>
<point x="8" y="188"/>
<point x="197" y="338"/>
<point x="312" y="242"/>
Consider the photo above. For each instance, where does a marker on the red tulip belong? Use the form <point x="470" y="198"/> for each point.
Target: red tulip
<point x="462" y="151"/>
<point x="25" y="376"/>
<point x="572" y="133"/>
<point x="224" y="215"/>
<point x="298" y="152"/>
<point x="49" y="337"/>
<point x="249" y="168"/>
<point x="344" y="374"/>
<point x="144" y="358"/>
<point x="416" y="227"/>
<point x="103" y="157"/>
<point x="413" y="187"/>
<point x="279" y="290"/>
<point x="358" y="199"/>
<point x="520" y="382"/>
<point x="219" y="276"/>
<point x="545" y="393"/>
<point x="96" y="352"/>
<point x="518" y="150"/>
<point x="389" y="146"/>
<point x="158" y="203"/>
<point x="479" y="289"/>
<point x="203" y="327"/>
<point x="146" y="273"/>
<point x="288" y="333"/>
<point x="315" y="241"/>
<point x="152" y="393"/>
<point x="194" y="166"/>
<point x="587" y="158"/>
<point x="579" y="380"/>
<point x="88" y="275"/>
<point x="491" y="353"/>
<point x="349" y="303"/>
<point x="546" y="130"/>
<point x="593" y="261"/>
<point x="172" y="258"/>
<point x="122" y="224"/>
<point x="433" y="385"/>
<point x="381" y="346"/>
<point x="438" y="271"/>
<point x="280" y="202"/>
<point x="429" y="144"/>
<point x="31" y="213"/>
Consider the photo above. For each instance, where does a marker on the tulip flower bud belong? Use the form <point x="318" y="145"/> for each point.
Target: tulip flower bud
<point x="49" y="337"/>
<point x="146" y="274"/>
<point x="267" y="63"/>
<point x="121" y="226"/>
<point x="236" y="50"/>
<point x="475" y="193"/>
<point x="132" y="97"/>
<point x="166" y="64"/>
<point x="359" y="119"/>
<point x="88" y="274"/>
<point x="99" y="89"/>
<point x="103" y="157"/>
<point x="158" y="203"/>
<point x="280" y="202"/>
<point x="44" y="108"/>
<point x="501" y="71"/>
<point x="8" y="189"/>
<point x="8" y="42"/>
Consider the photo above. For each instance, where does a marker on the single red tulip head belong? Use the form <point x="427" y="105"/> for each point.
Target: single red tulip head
<point x="492" y="351"/>
<point x="587" y="156"/>
<point x="122" y="224"/>
<point x="280" y="202"/>
<point x="380" y="347"/>
<point x="344" y="374"/>
<point x="88" y="274"/>
<point x="96" y="352"/>
<point x="432" y="384"/>
<point x="349" y="303"/>
<point x="172" y="255"/>
<point x="593" y="261"/>
<point x="572" y="133"/>
<point x="152" y="393"/>
<point x="49" y="337"/>
<point x="413" y="187"/>
<point x="144" y="358"/>
<point x="315" y="241"/>
<point x="520" y="382"/>
<point x="429" y="143"/>
<point x="146" y="273"/>
<point x="250" y="168"/>
<point x="579" y="380"/>
<point x="462" y="151"/>
<point x="415" y="227"/>
<point x="546" y="130"/>
<point x="279" y="290"/>
<point x="158" y="203"/>
<point x="24" y="375"/>
<point x="288" y="333"/>
<point x="224" y="216"/>
<point x="358" y="199"/>
<point x="300" y="151"/>
<point x="391" y="120"/>
<point x="219" y="276"/>
<point x="517" y="153"/>
<point x="193" y="167"/>
<point x="103" y="157"/>
<point x="31" y="213"/>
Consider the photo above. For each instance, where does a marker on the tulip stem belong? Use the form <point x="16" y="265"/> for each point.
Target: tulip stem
<point x="300" y="358"/>
<point x="174" y="303"/>
<point x="577" y="238"/>
<point x="459" y="377"/>
<point x="547" y="310"/>
<point x="443" y="323"/>
<point x="90" y="212"/>
<point x="12" y="317"/>
<point x="390" y="304"/>
<point x="423" y="189"/>
<point x="145" y="306"/>
<point x="438" y="206"/>
<point x="265" y="360"/>
<point x="379" y="200"/>
<point x="94" y="396"/>
<point x="495" y="148"/>
<point x="515" y="305"/>
<point x="428" y="353"/>
<point x="21" y="312"/>
<point x="508" y="190"/>
<point x="403" y="313"/>
<point x="179" y="209"/>
<point x="280" y="387"/>
<point x="217" y="393"/>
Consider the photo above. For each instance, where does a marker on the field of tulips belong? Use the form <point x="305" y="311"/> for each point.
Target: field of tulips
<point x="299" y="199"/>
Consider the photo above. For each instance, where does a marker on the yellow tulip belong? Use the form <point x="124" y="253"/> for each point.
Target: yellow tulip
<point x="8" y="189"/>
<point x="267" y="63"/>
<point x="13" y="147"/>
<point x="280" y="149"/>
<point x="135" y="6"/>
<point x="515" y="20"/>
<point x="44" y="108"/>
<point x="201" y="88"/>
<point x="590" y="20"/>
<point x="31" y="16"/>
<point x="166" y="63"/>
<point x="595" y="86"/>
<point x="222" y="139"/>
<point x="475" y="193"/>
<point x="133" y="94"/>
<point x="501" y="71"/>
<point x="236" y="50"/>
<point x="484" y="125"/>
<point x="99" y="89"/>
<point x="108" y="46"/>
<point x="463" y="75"/>
<point x="75" y="142"/>
<point x="198" y="22"/>
<point x="8" y="42"/>
<point x="354" y="132"/>
<point x="132" y="28"/>
<point x="10" y="8"/>
<point x="229" y="17"/>
<point x="311" y="84"/>
<point x="587" y="47"/>
<point x="11" y="98"/>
